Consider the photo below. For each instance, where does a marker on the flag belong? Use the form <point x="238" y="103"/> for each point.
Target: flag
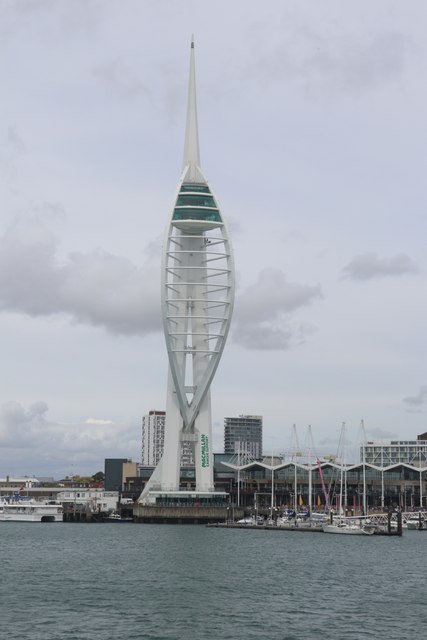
<point x="319" y="502"/>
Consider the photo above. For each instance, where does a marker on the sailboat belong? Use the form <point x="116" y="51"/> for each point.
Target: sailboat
<point x="348" y="526"/>
<point x="343" y="525"/>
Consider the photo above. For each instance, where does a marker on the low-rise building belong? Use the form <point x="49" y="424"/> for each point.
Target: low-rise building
<point x="93" y="500"/>
<point x="384" y="453"/>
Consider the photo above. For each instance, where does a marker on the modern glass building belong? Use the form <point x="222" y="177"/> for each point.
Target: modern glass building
<point x="113" y="472"/>
<point x="197" y="302"/>
<point x="243" y="435"/>
<point x="318" y="487"/>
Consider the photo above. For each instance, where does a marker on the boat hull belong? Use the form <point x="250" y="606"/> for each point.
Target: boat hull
<point x="118" y="519"/>
<point x="416" y="525"/>
<point x="348" y="530"/>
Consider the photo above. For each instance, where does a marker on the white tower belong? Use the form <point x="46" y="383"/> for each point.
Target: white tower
<point x="197" y="303"/>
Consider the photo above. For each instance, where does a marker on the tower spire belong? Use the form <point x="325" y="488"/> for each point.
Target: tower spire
<point x="191" y="142"/>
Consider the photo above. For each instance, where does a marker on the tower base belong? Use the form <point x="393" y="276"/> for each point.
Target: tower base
<point x="184" y="507"/>
<point x="191" y="499"/>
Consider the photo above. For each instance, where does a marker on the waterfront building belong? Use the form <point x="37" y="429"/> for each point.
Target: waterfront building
<point x="113" y="471"/>
<point x="197" y="294"/>
<point x="19" y="483"/>
<point x="384" y="453"/>
<point x="92" y="500"/>
<point x="243" y="435"/>
<point x="297" y="485"/>
<point x="303" y="485"/>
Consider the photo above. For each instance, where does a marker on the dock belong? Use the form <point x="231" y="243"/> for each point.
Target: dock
<point x="384" y="525"/>
<point x="265" y="527"/>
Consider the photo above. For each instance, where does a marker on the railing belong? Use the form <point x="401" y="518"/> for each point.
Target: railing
<point x="191" y="505"/>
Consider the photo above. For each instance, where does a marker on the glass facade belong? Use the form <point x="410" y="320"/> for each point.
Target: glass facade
<point x="194" y="187"/>
<point x="209" y="215"/>
<point x="243" y="435"/>
<point x="195" y="202"/>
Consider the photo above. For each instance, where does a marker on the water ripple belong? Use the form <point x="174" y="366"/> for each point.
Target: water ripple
<point x="93" y="582"/>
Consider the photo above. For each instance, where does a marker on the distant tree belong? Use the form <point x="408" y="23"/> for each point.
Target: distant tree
<point x="82" y="479"/>
<point x="98" y="476"/>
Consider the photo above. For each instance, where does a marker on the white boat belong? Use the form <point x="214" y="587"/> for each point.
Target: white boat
<point x="251" y="520"/>
<point x="348" y="528"/>
<point x="340" y="524"/>
<point x="116" y="517"/>
<point x="415" y="522"/>
<point x="291" y="521"/>
<point x="29" y="510"/>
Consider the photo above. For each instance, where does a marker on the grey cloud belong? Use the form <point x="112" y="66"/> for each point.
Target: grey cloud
<point x="31" y="443"/>
<point x="262" y="336"/>
<point x="105" y="290"/>
<point x="293" y="236"/>
<point x="338" y="63"/>
<point x="16" y="14"/>
<point x="358" y="63"/>
<point x="122" y="81"/>
<point x="29" y="279"/>
<point x="328" y="441"/>
<point x="24" y="7"/>
<point x="118" y="80"/>
<point x="15" y="140"/>
<point x="381" y="434"/>
<point x="48" y="210"/>
<point x="79" y="15"/>
<point x="18" y="424"/>
<point x="272" y="295"/>
<point x="11" y="149"/>
<point x="99" y="288"/>
<point x="419" y="399"/>
<point x="259" y="320"/>
<point x="367" y="266"/>
<point x="153" y="248"/>
<point x="234" y="226"/>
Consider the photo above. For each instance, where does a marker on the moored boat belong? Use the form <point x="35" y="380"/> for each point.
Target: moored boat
<point x="18" y="509"/>
<point x="416" y="522"/>
<point x="116" y="517"/>
<point x="252" y="520"/>
<point x="351" y="528"/>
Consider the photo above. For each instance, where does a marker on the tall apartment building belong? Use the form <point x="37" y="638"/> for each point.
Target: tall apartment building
<point x="243" y="435"/>
<point x="153" y="437"/>
<point x="153" y="434"/>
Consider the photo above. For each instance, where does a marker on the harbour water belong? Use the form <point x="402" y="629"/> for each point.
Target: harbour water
<point x="127" y="581"/>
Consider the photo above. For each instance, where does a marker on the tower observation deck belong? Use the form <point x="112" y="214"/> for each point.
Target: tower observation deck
<point x="197" y="290"/>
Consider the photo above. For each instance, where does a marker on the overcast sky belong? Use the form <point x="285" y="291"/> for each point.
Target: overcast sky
<point x="312" y="123"/>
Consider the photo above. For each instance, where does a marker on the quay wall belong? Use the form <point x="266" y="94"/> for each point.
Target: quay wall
<point x="184" y="514"/>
